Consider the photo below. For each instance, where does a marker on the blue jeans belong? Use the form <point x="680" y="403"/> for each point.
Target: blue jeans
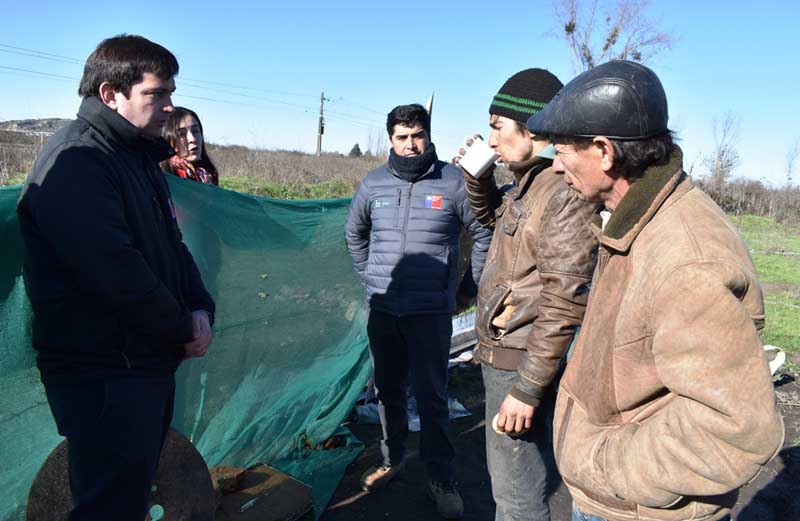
<point x="577" y="515"/>
<point x="416" y="348"/>
<point x="522" y="469"/>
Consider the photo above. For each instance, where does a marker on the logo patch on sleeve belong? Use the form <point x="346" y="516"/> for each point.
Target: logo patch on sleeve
<point x="433" y="202"/>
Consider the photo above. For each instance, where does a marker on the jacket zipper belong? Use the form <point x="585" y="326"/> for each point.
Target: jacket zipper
<point x="405" y="220"/>
<point x="397" y="208"/>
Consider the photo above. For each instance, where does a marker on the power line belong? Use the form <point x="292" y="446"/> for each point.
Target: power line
<point x="255" y="89"/>
<point x="190" y="82"/>
<point x="45" y="74"/>
<point x="295" y="108"/>
<point x="32" y="53"/>
<point x="350" y="117"/>
<point x="300" y="108"/>
<point x="250" y="96"/>
<point x="39" y="54"/>
<point x="358" y="105"/>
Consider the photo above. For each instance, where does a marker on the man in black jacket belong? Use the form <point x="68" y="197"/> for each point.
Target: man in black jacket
<point x="117" y="299"/>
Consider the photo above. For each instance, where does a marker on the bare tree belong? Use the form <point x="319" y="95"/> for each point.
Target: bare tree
<point x="622" y="32"/>
<point x="377" y="142"/>
<point x="693" y="163"/>
<point x="791" y="159"/>
<point x="724" y="158"/>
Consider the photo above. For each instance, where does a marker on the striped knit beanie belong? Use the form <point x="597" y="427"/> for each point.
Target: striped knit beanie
<point x="524" y="94"/>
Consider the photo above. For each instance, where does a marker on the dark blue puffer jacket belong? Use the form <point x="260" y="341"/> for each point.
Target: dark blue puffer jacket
<point x="403" y="237"/>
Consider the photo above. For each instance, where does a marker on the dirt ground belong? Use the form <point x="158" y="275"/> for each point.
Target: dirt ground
<point x="774" y="495"/>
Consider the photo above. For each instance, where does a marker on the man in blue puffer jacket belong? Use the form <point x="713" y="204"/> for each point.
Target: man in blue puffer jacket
<point x="403" y="234"/>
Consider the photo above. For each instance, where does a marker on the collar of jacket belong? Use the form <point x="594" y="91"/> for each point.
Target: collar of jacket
<point x="526" y="171"/>
<point x="115" y="127"/>
<point x="643" y="199"/>
<point x="412" y="169"/>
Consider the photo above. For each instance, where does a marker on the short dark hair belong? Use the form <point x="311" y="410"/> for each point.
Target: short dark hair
<point x="122" y="61"/>
<point x="408" y="115"/>
<point x="631" y="157"/>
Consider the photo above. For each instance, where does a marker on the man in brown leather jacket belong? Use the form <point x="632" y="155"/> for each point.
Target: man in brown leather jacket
<point x="531" y="297"/>
<point x="667" y="406"/>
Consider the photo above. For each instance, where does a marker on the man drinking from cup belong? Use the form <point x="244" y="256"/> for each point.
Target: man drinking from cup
<point x="532" y="293"/>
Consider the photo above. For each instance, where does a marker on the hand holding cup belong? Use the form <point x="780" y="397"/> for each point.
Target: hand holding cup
<point x="476" y="157"/>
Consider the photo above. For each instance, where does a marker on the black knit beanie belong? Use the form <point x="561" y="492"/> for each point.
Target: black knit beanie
<point x="524" y="94"/>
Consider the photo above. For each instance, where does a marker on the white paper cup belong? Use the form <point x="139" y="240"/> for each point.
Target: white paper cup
<point x="495" y="428"/>
<point x="479" y="156"/>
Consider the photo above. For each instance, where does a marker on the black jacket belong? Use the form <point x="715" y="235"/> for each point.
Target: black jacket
<point x="110" y="281"/>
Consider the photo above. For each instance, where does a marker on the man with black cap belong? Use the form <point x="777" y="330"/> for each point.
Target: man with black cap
<point x="402" y="233"/>
<point x="667" y="406"/>
<point x="532" y="295"/>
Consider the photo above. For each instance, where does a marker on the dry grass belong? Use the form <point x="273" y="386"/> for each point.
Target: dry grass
<point x="277" y="166"/>
<point x="290" y="175"/>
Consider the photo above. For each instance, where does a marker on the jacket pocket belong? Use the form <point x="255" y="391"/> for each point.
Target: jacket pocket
<point x="491" y="308"/>
<point x="511" y="222"/>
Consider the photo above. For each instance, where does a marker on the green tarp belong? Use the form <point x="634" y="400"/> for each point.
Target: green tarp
<point x="289" y="356"/>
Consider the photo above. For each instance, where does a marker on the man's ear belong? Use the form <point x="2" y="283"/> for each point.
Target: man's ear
<point x="606" y="150"/>
<point x="108" y="95"/>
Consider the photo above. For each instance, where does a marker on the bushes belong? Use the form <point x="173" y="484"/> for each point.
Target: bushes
<point x="744" y="196"/>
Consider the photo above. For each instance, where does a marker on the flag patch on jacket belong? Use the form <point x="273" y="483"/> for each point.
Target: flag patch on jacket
<point x="433" y="201"/>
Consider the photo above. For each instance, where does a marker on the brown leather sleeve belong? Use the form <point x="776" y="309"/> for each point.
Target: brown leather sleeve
<point x="567" y="249"/>
<point x="484" y="198"/>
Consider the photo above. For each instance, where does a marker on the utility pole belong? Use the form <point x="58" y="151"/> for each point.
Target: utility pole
<point x="321" y="127"/>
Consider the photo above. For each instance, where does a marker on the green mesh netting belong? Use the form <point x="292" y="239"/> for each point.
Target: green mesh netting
<point x="289" y="356"/>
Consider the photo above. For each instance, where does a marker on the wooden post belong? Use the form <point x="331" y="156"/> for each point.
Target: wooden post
<point x="321" y="126"/>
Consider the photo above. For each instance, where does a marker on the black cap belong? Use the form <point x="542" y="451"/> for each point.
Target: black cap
<point x="525" y="93"/>
<point x="619" y="99"/>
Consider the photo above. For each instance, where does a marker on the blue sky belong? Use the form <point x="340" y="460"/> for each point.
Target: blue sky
<point x="276" y="57"/>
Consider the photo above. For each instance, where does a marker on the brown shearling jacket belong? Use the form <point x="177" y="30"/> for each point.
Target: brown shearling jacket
<point x="667" y="405"/>
<point x="535" y="283"/>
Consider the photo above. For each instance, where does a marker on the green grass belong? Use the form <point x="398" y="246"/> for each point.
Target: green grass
<point x="783" y="321"/>
<point x="764" y="234"/>
<point x="778" y="269"/>
<point x="322" y="190"/>
<point x="779" y="274"/>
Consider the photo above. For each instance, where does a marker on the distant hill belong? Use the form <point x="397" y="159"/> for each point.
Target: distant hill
<point x="48" y="125"/>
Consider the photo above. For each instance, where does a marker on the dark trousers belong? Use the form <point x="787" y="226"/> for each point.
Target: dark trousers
<point x="415" y="347"/>
<point x="115" y="429"/>
<point x="522" y="469"/>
